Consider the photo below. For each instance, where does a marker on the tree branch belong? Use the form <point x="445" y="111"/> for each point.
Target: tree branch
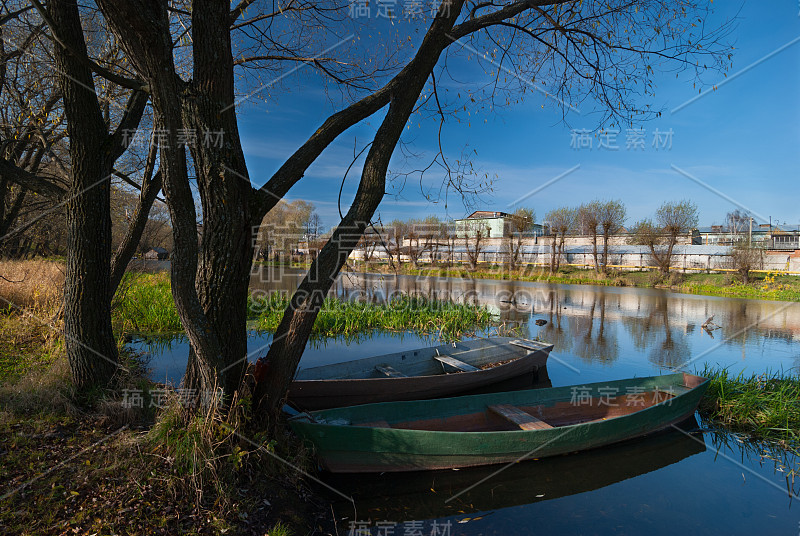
<point x="120" y="80"/>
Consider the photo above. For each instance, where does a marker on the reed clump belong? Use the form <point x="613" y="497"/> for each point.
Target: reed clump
<point x="407" y="313"/>
<point x="766" y="406"/>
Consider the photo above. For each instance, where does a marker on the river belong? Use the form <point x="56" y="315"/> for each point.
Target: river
<point x="692" y="481"/>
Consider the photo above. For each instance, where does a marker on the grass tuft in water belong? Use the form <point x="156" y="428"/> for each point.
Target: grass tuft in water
<point x="767" y="406"/>
<point x="144" y="305"/>
<point x="446" y="319"/>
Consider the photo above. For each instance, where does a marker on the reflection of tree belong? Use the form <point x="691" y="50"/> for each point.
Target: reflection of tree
<point x="668" y="347"/>
<point x="596" y="344"/>
<point x="674" y="349"/>
<point x="641" y="330"/>
<point x="553" y="332"/>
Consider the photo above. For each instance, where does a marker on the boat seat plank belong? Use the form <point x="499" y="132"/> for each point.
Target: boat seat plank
<point x="524" y="420"/>
<point x="455" y="363"/>
<point x="528" y="344"/>
<point x="390" y="372"/>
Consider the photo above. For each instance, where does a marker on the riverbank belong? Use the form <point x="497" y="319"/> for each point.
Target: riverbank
<point x="110" y="467"/>
<point x="770" y="286"/>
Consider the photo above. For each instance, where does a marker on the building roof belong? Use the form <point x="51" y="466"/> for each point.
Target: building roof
<point x="486" y="214"/>
<point x="757" y="228"/>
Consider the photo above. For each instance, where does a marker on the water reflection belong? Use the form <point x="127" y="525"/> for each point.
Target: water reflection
<point x="600" y="325"/>
<point x="598" y="332"/>
<point x="426" y="495"/>
<point x="685" y="480"/>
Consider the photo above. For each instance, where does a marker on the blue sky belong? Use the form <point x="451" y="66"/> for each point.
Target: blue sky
<point x="740" y="140"/>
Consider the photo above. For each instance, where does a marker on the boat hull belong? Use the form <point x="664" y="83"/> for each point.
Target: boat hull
<point x="352" y="449"/>
<point x="315" y="394"/>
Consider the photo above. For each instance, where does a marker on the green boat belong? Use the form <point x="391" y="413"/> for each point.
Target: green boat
<point x="421" y="495"/>
<point x="497" y="427"/>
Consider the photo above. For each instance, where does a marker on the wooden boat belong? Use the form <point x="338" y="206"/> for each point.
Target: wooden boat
<point x="419" y="495"/>
<point x="498" y="427"/>
<point x="418" y="374"/>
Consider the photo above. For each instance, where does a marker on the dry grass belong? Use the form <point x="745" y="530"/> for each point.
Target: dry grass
<point x="38" y="392"/>
<point x="34" y="284"/>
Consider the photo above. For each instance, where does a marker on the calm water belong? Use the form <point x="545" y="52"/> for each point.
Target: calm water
<point x="700" y="481"/>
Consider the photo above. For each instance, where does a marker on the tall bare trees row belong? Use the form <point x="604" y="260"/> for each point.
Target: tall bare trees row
<point x="596" y="219"/>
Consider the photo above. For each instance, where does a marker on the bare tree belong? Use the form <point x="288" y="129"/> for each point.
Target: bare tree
<point x="562" y="222"/>
<point x="89" y="339"/>
<point x="313" y="226"/>
<point x="397" y="232"/>
<point x="474" y="242"/>
<point x="737" y="222"/>
<point x="369" y="244"/>
<point x="520" y="224"/>
<point x="449" y="239"/>
<point x="611" y="220"/>
<point x="429" y="230"/>
<point x="584" y="49"/>
<point x="587" y="219"/>
<point x="414" y="243"/>
<point x="745" y="258"/>
<point x="672" y="220"/>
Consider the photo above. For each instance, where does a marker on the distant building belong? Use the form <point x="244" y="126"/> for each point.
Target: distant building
<point x="493" y="224"/>
<point x="156" y="254"/>
<point x="769" y="236"/>
<point x="784" y="237"/>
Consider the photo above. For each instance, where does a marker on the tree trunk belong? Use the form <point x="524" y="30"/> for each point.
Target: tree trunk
<point x="89" y="339"/>
<point x="126" y="249"/>
<point x="143" y="30"/>
<point x="226" y="252"/>
<point x="668" y="257"/>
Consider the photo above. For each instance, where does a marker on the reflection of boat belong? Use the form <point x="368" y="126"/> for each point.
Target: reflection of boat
<point x="497" y="427"/>
<point x="417" y="374"/>
<point x="422" y="495"/>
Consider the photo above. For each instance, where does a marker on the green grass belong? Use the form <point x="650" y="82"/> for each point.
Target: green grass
<point x="766" y="406"/>
<point x="25" y="343"/>
<point x="144" y="305"/>
<point x="337" y="317"/>
<point x="739" y="290"/>
<point x="280" y="529"/>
